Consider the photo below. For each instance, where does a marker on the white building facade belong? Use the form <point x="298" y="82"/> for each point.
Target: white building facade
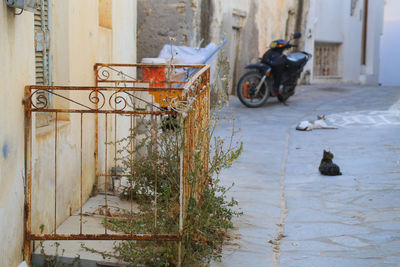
<point x="344" y="38"/>
<point x="390" y="43"/>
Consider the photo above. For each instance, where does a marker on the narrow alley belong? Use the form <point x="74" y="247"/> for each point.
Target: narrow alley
<point x="106" y="111"/>
<point x="292" y="215"/>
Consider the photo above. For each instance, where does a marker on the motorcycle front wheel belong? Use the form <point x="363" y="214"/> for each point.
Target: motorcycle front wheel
<point x="246" y="90"/>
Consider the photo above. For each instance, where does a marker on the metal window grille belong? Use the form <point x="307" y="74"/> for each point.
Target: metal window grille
<point x="326" y="60"/>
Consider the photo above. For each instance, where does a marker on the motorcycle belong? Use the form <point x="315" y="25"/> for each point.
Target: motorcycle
<point x="275" y="75"/>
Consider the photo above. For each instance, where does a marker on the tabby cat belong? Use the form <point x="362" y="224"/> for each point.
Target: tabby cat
<point x="327" y="167"/>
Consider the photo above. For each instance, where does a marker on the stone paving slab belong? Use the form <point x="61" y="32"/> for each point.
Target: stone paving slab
<point x="364" y="192"/>
<point x="349" y="220"/>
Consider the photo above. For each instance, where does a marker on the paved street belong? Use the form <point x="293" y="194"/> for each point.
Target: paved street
<point x="293" y="216"/>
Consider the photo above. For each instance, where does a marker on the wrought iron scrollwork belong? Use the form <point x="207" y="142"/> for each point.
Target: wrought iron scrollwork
<point x="120" y="100"/>
<point x="103" y="74"/>
<point x="39" y="99"/>
<point x="95" y="99"/>
<point x="116" y="101"/>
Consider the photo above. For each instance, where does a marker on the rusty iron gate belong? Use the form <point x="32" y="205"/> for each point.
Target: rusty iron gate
<point x="77" y="152"/>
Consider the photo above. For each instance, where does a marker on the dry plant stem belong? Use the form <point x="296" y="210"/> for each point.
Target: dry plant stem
<point x="156" y="183"/>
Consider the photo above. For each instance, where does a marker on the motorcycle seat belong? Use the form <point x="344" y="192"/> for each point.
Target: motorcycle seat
<point x="296" y="57"/>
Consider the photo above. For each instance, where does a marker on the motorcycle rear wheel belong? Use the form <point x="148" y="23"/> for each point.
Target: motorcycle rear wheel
<point x="246" y="90"/>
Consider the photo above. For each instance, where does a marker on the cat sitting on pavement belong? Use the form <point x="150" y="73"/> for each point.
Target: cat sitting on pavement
<point x="327" y="167"/>
<point x="311" y="125"/>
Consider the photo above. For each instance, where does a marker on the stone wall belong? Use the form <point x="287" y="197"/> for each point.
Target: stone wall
<point x="158" y="20"/>
<point x="247" y="25"/>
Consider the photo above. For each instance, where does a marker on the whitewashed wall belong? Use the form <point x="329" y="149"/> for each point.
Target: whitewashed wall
<point x="332" y="22"/>
<point x="16" y="70"/>
<point x="390" y="44"/>
<point x="78" y="42"/>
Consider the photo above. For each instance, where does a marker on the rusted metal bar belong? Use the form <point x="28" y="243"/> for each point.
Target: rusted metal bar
<point x="181" y="196"/>
<point x="154" y="162"/>
<point x="144" y="82"/>
<point x="150" y="104"/>
<point x="68" y="99"/>
<point x="177" y="66"/>
<point x="105" y="180"/>
<point x="96" y="133"/>
<point x="103" y="88"/>
<point x="115" y="141"/>
<point x="81" y="188"/>
<point x="147" y="237"/>
<point x="106" y="74"/>
<point x="155" y="172"/>
<point x="55" y="173"/>
<point x="194" y="78"/>
<point x="138" y="112"/>
<point x="95" y="100"/>
<point x="28" y="179"/>
<point x="131" y="163"/>
<point x="208" y="119"/>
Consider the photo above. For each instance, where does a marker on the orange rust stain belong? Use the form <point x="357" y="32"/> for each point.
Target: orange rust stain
<point x="105" y="13"/>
